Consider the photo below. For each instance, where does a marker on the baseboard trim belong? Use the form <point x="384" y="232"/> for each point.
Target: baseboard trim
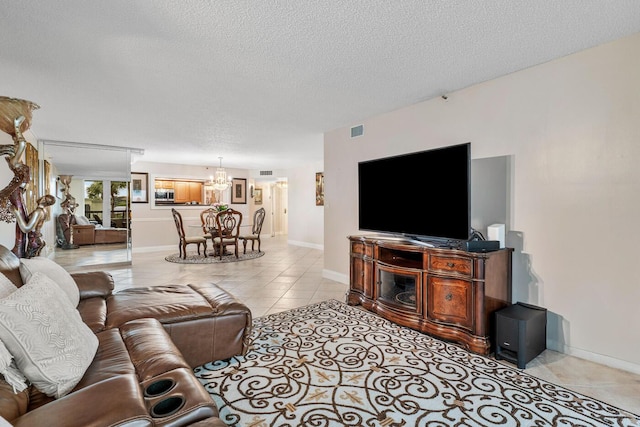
<point x="146" y="249"/>
<point x="335" y="276"/>
<point x="602" y="359"/>
<point x="306" y="244"/>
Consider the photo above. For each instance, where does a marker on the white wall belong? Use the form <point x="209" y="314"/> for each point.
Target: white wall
<point x="572" y="130"/>
<point x="153" y="227"/>
<point x="306" y="220"/>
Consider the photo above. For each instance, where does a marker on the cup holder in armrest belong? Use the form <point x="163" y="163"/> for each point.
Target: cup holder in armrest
<point x="168" y="406"/>
<point x="159" y="387"/>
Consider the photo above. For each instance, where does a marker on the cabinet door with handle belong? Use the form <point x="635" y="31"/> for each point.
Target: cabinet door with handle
<point x="450" y="301"/>
<point x="357" y="275"/>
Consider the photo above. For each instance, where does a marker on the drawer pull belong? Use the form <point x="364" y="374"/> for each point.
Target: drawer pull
<point x="451" y="264"/>
<point x="448" y="297"/>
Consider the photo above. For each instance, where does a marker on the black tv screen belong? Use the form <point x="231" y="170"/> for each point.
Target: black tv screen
<point x="423" y="195"/>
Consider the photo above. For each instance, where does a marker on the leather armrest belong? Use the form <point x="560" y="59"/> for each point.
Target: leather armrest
<point x="94" y="284"/>
<point x="117" y="401"/>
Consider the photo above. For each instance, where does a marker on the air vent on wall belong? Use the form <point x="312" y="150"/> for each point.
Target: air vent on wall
<point x="357" y="131"/>
<point x="263" y="173"/>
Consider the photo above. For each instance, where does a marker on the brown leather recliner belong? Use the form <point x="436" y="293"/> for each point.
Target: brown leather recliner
<point x="149" y="341"/>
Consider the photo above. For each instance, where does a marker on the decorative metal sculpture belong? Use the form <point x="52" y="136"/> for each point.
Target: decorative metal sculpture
<point x="15" y="118"/>
<point x="67" y="218"/>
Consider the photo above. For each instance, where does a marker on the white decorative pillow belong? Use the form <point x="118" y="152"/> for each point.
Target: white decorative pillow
<point x="46" y="336"/>
<point x="53" y="271"/>
<point x="9" y="370"/>
<point x="6" y="286"/>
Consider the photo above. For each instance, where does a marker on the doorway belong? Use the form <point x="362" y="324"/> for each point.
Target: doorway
<point x="280" y="208"/>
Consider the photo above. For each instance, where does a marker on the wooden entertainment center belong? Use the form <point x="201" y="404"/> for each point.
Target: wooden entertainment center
<point x="448" y="293"/>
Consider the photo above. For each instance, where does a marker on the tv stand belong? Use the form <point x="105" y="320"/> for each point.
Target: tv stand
<point x="421" y="243"/>
<point x="448" y="293"/>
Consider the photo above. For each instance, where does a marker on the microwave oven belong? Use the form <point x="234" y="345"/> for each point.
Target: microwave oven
<point x="164" y="195"/>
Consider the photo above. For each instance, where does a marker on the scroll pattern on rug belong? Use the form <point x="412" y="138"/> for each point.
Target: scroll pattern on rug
<point x="330" y="364"/>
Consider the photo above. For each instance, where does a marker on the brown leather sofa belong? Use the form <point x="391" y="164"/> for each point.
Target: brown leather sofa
<point x="149" y="341"/>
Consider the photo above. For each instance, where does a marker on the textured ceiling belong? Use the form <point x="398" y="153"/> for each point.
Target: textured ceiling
<point x="258" y="82"/>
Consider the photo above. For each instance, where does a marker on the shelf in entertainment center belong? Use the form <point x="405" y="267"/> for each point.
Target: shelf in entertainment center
<point x="456" y="292"/>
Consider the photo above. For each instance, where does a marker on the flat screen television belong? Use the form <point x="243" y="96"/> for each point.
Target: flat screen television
<point x="424" y="196"/>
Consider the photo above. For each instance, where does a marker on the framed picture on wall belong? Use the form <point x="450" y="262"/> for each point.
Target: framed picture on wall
<point x="257" y="196"/>
<point x="319" y="188"/>
<point x="139" y="187"/>
<point x="239" y="191"/>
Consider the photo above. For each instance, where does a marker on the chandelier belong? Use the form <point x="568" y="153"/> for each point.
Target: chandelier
<point x="221" y="182"/>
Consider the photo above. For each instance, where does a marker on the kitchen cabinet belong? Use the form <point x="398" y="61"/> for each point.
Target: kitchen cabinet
<point x="187" y="191"/>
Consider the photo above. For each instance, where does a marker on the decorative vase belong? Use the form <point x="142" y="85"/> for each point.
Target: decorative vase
<point x="13" y="108"/>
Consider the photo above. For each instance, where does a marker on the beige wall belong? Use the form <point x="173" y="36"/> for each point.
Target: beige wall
<point x="572" y="130"/>
<point x="153" y="227"/>
<point x="306" y="220"/>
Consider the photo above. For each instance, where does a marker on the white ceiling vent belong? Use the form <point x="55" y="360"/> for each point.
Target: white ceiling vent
<point x="266" y="173"/>
<point x="357" y="131"/>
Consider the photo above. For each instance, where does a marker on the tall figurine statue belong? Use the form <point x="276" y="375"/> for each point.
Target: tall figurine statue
<point x="67" y="218"/>
<point x="15" y="118"/>
<point x="32" y="227"/>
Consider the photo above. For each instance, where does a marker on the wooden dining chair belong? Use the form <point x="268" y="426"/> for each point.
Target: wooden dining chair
<point x="228" y="224"/>
<point x="258" y="219"/>
<point x="184" y="240"/>
<point x="208" y="222"/>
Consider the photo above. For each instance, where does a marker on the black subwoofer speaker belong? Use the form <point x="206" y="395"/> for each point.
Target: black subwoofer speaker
<point x="521" y="333"/>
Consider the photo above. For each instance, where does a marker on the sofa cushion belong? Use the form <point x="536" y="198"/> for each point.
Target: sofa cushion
<point x="6" y="286"/>
<point x="203" y="320"/>
<point x="29" y="266"/>
<point x="167" y="303"/>
<point x="111" y="360"/>
<point x="45" y="334"/>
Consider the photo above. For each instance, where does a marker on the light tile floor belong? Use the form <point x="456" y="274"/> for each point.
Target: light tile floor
<point x="290" y="276"/>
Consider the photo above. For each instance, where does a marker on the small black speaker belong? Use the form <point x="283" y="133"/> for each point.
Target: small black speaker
<point x="521" y="333"/>
<point x="483" y="245"/>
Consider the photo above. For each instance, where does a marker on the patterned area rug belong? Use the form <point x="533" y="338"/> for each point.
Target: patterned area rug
<point x="329" y="364"/>
<point x="194" y="258"/>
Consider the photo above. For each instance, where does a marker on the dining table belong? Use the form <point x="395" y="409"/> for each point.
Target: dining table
<point x="210" y="226"/>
